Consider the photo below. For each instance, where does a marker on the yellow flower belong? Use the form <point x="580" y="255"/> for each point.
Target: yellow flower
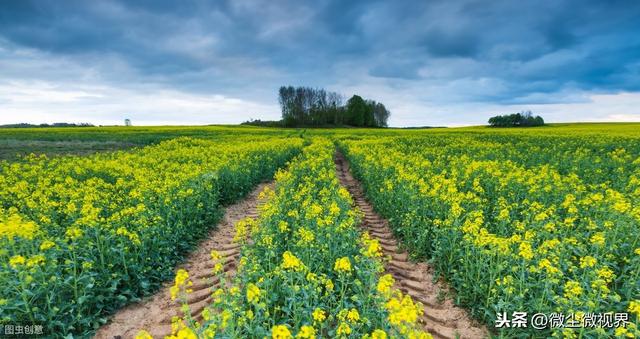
<point x="385" y="283"/>
<point x="353" y="315"/>
<point x="36" y="260"/>
<point x="253" y="293"/>
<point x="305" y="235"/>
<point x="318" y="315"/>
<point x="283" y="226"/>
<point x="373" y="249"/>
<point x="342" y="265"/>
<point x="16" y="261"/>
<point x="598" y="239"/>
<point x="243" y="229"/>
<point x="343" y="329"/>
<point x="525" y="251"/>
<point x="334" y="209"/>
<point x="379" y="334"/>
<point x="600" y="285"/>
<point x="606" y="273"/>
<point x="315" y="210"/>
<point x="73" y="233"/>
<point x="280" y="332"/>
<point x="210" y="332"/>
<point x="173" y="291"/>
<point x="47" y="244"/>
<point x="215" y="255"/>
<point x="181" y="281"/>
<point x="186" y="333"/>
<point x="572" y="289"/>
<point x="16" y="226"/>
<point x="634" y="307"/>
<point x="546" y="264"/>
<point x="306" y="331"/>
<point x="621" y="332"/>
<point x="291" y="262"/>
<point x="218" y="265"/>
<point x="328" y="284"/>
<point x="343" y="193"/>
<point x="402" y="309"/>
<point x="587" y="261"/>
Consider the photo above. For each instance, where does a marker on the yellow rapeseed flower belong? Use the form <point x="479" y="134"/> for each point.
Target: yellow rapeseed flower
<point x="353" y="315"/>
<point x="343" y="329"/>
<point x="319" y="315"/>
<point x="385" y="283"/>
<point x="525" y="251"/>
<point x="35" y="260"/>
<point x="572" y="289"/>
<point x="306" y="331"/>
<point x="634" y="307"/>
<point x="73" y="233"/>
<point x="283" y="226"/>
<point x="587" y="261"/>
<point x="373" y="249"/>
<point x="181" y="281"/>
<point x="47" y="244"/>
<point x="342" y="265"/>
<point x="606" y="273"/>
<point x="378" y="334"/>
<point x="253" y="293"/>
<point x="16" y="261"/>
<point x="291" y="262"/>
<point x="14" y="226"/>
<point x="402" y="310"/>
<point x="280" y="332"/>
<point x="186" y="333"/>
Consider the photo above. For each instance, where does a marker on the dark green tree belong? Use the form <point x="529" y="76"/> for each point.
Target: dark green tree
<point x="522" y="119"/>
<point x="356" y="111"/>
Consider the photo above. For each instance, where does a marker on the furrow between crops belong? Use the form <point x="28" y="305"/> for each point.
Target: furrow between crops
<point x="154" y="314"/>
<point x="441" y="317"/>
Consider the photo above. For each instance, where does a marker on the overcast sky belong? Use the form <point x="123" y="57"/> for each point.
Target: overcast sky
<point x="430" y="62"/>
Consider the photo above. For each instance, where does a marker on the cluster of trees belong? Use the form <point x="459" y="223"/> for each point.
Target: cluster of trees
<point x="262" y="123"/>
<point x="55" y="124"/>
<point x="306" y="106"/>
<point x="522" y="119"/>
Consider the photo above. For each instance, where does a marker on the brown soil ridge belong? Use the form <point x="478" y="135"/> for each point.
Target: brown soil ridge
<point x="154" y="313"/>
<point x="442" y="318"/>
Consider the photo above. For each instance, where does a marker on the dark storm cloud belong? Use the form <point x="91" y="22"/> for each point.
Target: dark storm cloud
<point x="516" y="49"/>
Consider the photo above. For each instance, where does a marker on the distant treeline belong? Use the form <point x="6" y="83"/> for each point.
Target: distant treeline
<point x="263" y="123"/>
<point x="522" y="119"/>
<point x="55" y="124"/>
<point x="305" y="106"/>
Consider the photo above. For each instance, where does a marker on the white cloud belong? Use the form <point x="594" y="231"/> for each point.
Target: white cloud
<point x="38" y="102"/>
<point x="616" y="107"/>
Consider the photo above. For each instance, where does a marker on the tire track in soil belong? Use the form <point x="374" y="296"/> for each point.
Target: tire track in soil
<point x="154" y="314"/>
<point x="442" y="318"/>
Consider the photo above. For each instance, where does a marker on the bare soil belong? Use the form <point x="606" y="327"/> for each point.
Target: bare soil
<point x="154" y="313"/>
<point x="442" y="318"/>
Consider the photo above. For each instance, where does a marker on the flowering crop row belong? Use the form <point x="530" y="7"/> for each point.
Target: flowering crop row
<point x="513" y="225"/>
<point x="306" y="269"/>
<point x="82" y="236"/>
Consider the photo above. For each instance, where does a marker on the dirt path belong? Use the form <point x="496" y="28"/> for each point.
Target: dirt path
<point x="154" y="314"/>
<point x="441" y="317"/>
